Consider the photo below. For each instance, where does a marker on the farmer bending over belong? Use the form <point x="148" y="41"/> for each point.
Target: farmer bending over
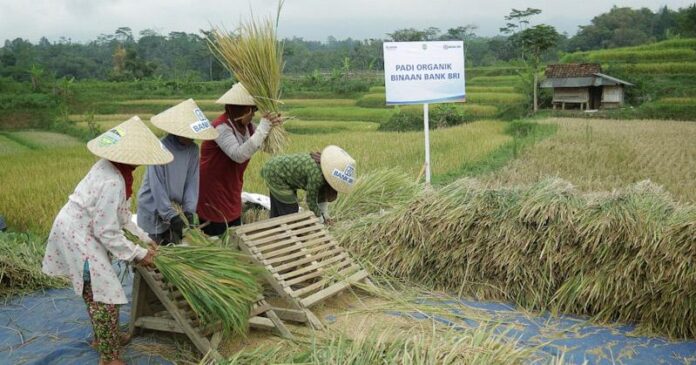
<point x="175" y="183"/>
<point x="320" y="175"/>
<point x="87" y="232"/>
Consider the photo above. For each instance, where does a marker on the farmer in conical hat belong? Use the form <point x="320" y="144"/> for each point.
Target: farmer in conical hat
<point x="321" y="175"/>
<point x="175" y="183"/>
<point x="224" y="160"/>
<point x="88" y="231"/>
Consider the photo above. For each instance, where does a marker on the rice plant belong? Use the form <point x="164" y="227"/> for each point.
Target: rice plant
<point x="342" y="113"/>
<point x="494" y="98"/>
<point x="377" y="100"/>
<point x="255" y="57"/>
<point x="636" y="56"/>
<point x="490" y="89"/>
<point x="679" y="100"/>
<point x="36" y="184"/>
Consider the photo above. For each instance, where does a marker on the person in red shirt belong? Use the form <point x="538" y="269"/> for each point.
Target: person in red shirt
<point x="224" y="160"/>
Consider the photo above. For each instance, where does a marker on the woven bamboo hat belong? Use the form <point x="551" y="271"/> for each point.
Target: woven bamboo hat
<point x="237" y="95"/>
<point x="338" y="168"/>
<point x="186" y="120"/>
<point x="130" y="142"/>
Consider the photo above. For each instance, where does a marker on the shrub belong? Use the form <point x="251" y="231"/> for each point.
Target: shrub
<point x="441" y="115"/>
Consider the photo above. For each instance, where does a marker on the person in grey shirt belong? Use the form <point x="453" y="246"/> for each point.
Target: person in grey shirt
<point x="169" y="190"/>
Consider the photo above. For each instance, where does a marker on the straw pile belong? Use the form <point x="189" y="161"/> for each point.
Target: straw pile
<point x="218" y="283"/>
<point x="375" y="192"/>
<point x="628" y="255"/>
<point x="255" y="57"/>
<point x="475" y="347"/>
<point x="20" y="265"/>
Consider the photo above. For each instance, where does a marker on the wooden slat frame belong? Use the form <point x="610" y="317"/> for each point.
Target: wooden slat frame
<point x="303" y="263"/>
<point x="183" y="319"/>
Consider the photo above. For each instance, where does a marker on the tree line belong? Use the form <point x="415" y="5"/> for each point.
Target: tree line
<point x="185" y="56"/>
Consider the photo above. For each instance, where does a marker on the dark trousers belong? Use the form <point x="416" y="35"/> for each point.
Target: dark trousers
<point x="279" y="208"/>
<point x="218" y="228"/>
<point x="166" y="237"/>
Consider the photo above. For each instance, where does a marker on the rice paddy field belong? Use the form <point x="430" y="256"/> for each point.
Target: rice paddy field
<point x="603" y="155"/>
<point x="37" y="183"/>
<point x="564" y="222"/>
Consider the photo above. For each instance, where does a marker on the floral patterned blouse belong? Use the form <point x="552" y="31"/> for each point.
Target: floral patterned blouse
<point x="89" y="228"/>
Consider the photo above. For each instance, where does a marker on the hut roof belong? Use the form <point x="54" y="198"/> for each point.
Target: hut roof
<point x="572" y="70"/>
<point x="579" y="75"/>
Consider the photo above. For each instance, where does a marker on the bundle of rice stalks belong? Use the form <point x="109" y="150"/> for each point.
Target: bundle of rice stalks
<point x="20" y="265"/>
<point x="218" y="283"/>
<point x="255" y="57"/>
<point x="254" y="213"/>
<point x="627" y="255"/>
<point x="374" y="192"/>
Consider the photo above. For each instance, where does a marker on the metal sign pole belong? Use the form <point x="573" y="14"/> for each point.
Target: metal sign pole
<point x="426" y="125"/>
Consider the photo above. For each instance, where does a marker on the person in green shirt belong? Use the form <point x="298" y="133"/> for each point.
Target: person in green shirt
<point x="322" y="175"/>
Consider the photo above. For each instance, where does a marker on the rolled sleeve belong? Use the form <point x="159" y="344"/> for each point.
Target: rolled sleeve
<point x="241" y="152"/>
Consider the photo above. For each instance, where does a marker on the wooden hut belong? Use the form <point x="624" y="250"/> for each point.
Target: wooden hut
<point x="585" y="85"/>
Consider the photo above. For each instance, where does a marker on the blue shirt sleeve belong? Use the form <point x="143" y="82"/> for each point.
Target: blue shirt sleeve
<point x="191" y="187"/>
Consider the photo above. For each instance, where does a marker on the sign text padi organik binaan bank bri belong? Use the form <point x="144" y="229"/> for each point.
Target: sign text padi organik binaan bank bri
<point x="424" y="72"/>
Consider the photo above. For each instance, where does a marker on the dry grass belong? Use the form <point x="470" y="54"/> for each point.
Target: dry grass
<point x="609" y="154"/>
<point x="378" y="328"/>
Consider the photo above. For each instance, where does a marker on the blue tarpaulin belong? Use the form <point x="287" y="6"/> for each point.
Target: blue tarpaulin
<point x="52" y="327"/>
<point x="577" y="339"/>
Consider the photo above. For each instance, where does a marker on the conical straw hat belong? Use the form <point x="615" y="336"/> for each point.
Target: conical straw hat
<point x="186" y="120"/>
<point x="237" y="95"/>
<point x="132" y="143"/>
<point x="338" y="168"/>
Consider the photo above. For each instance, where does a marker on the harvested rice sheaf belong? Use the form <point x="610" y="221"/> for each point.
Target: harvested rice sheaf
<point x="255" y="57"/>
<point x="626" y="255"/>
<point x="218" y="283"/>
<point x="21" y="255"/>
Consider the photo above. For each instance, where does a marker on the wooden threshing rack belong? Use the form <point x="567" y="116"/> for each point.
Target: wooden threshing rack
<point x="160" y="306"/>
<point x="303" y="262"/>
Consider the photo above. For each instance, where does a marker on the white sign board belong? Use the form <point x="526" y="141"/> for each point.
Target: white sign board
<point x="424" y="72"/>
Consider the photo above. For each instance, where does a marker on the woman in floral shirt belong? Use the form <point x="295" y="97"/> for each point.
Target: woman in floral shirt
<point x="88" y="231"/>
